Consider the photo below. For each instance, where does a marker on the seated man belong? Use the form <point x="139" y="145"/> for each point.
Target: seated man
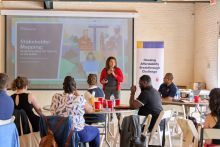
<point x="149" y="100"/>
<point x="168" y="89"/>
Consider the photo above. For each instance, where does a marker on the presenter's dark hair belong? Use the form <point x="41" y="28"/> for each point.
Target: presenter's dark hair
<point x="3" y="80"/>
<point x="214" y="102"/>
<point x="108" y="60"/>
<point x="69" y="84"/>
<point x="92" y="79"/>
<point x="19" y="83"/>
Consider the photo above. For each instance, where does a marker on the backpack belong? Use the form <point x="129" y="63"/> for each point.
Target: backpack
<point x="131" y="134"/>
<point x="48" y="140"/>
<point x="58" y="129"/>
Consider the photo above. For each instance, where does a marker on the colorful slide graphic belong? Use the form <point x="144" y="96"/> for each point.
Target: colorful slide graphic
<point x="46" y="49"/>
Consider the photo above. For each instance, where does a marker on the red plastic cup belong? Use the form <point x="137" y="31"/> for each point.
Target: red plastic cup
<point x="101" y="100"/>
<point x="117" y="102"/>
<point x="110" y="104"/>
<point x="104" y="104"/>
<point x="97" y="105"/>
<point x="196" y="98"/>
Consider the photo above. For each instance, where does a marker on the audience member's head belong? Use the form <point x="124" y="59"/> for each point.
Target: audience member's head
<point x="168" y="78"/>
<point x="111" y="62"/>
<point x="69" y="85"/>
<point x="214" y="102"/>
<point x="92" y="79"/>
<point x="19" y="83"/>
<point x="144" y="82"/>
<point x="3" y="81"/>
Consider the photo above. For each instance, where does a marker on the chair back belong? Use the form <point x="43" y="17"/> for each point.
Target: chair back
<point x="209" y="133"/>
<point x="190" y="134"/>
<point x="147" y="120"/>
<point x="178" y="110"/>
<point x="61" y="128"/>
<point x="156" y="125"/>
<point x="156" y="128"/>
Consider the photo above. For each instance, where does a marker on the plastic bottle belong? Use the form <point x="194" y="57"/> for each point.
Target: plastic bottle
<point x="92" y="99"/>
<point x="191" y="96"/>
<point x="112" y="97"/>
<point x="177" y="97"/>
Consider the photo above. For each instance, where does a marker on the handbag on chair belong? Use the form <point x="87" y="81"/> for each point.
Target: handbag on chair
<point x="31" y="139"/>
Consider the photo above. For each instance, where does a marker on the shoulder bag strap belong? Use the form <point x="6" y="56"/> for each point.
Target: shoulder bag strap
<point x="69" y="137"/>
<point x="59" y="123"/>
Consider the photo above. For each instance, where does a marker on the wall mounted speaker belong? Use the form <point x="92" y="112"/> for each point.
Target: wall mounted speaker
<point x="48" y="4"/>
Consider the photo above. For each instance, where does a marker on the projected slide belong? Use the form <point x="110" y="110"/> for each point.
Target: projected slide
<point x="46" y="49"/>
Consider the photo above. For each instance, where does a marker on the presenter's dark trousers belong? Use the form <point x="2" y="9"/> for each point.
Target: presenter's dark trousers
<point x="108" y="92"/>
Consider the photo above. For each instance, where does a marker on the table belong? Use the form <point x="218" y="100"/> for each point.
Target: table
<point x="185" y="103"/>
<point x="107" y="113"/>
<point x="188" y="104"/>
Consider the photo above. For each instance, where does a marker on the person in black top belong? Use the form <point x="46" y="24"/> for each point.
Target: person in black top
<point x="212" y="119"/>
<point x="26" y="101"/>
<point x="93" y="88"/>
<point x="168" y="89"/>
<point x="149" y="100"/>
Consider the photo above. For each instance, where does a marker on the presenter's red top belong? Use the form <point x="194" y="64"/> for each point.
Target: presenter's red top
<point x="118" y="77"/>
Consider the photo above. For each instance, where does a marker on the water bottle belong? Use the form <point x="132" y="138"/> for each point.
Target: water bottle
<point x="177" y="96"/>
<point x="112" y="97"/>
<point x="191" y="96"/>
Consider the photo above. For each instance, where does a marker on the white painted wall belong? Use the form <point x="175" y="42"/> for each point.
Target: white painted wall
<point x="207" y="23"/>
<point x="173" y="23"/>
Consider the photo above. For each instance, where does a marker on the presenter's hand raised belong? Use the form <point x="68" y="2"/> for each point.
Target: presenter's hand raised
<point x="111" y="71"/>
<point x="104" y="81"/>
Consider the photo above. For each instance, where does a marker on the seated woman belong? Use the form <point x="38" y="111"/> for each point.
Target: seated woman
<point x="8" y="130"/>
<point x="93" y="88"/>
<point x="213" y="119"/>
<point x="70" y="103"/>
<point x="26" y="101"/>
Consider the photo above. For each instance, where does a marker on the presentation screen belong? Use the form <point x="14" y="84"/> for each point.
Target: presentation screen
<point x="46" y="49"/>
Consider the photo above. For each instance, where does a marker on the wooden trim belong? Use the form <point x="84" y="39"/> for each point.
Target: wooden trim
<point x="2" y="43"/>
<point x="119" y="14"/>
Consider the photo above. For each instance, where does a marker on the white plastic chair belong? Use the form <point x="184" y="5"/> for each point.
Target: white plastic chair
<point x="146" y="126"/>
<point x="209" y="133"/>
<point x="157" y="133"/>
<point x="178" y="112"/>
<point x="190" y="135"/>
